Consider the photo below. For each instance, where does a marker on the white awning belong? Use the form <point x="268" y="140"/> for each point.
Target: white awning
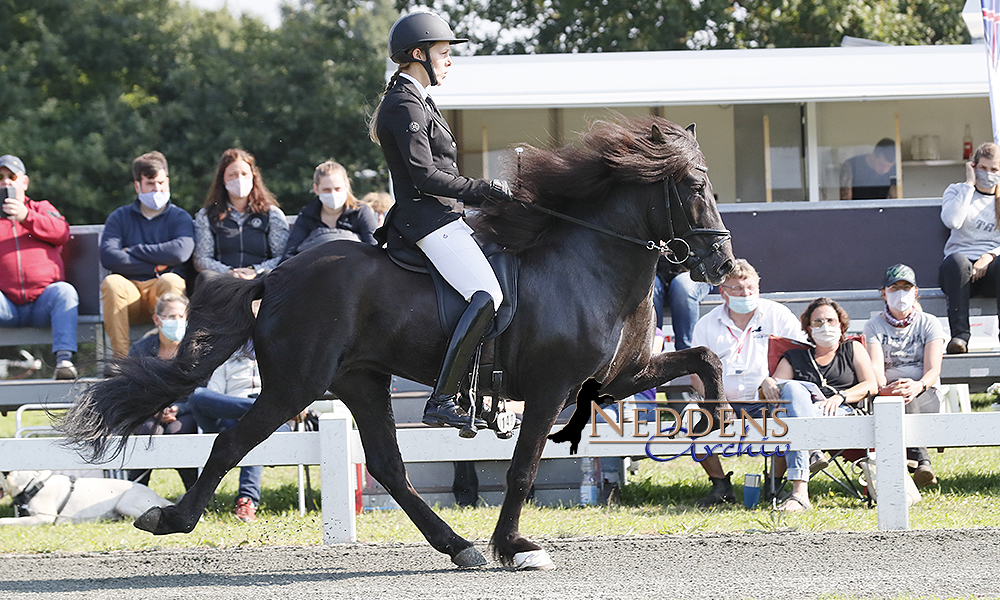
<point x="714" y="77"/>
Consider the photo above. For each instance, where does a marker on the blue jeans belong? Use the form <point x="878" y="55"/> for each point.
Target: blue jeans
<point x="217" y="412"/>
<point x="685" y="296"/>
<point x="56" y="307"/>
<point x="800" y="404"/>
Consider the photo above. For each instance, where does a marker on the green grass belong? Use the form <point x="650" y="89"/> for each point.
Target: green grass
<point x="660" y="499"/>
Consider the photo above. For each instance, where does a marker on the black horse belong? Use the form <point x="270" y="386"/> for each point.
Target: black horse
<point x="341" y="317"/>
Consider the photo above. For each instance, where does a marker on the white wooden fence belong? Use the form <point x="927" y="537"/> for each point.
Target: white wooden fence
<point x="336" y="448"/>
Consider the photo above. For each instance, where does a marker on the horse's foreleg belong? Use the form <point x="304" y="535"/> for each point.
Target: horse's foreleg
<point x="667" y="366"/>
<point x="509" y="546"/>
<point x="264" y="417"/>
<point x="369" y="403"/>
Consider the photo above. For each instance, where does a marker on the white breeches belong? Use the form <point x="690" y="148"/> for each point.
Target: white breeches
<point x="460" y="260"/>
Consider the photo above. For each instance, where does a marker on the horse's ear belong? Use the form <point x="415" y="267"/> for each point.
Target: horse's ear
<point x="656" y="134"/>
<point x="690" y="129"/>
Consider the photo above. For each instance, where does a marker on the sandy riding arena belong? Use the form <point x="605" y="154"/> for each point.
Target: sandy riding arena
<point x="910" y="564"/>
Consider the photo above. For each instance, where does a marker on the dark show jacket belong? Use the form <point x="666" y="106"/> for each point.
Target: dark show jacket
<point x="360" y="220"/>
<point x="422" y="156"/>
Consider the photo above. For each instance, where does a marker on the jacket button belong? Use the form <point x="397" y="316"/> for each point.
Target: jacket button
<point x="454" y="145"/>
<point x="454" y="164"/>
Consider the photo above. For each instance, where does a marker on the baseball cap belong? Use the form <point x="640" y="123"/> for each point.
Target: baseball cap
<point x="13" y="163"/>
<point x="899" y="273"/>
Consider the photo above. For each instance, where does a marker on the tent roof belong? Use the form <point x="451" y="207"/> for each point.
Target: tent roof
<point x="714" y="77"/>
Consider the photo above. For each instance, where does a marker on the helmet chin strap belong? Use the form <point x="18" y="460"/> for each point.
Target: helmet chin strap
<point x="426" y="48"/>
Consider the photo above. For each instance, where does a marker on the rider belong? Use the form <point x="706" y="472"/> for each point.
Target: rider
<point x="421" y="153"/>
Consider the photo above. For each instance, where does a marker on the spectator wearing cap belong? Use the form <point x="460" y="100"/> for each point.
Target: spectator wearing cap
<point x="906" y="345"/>
<point x="969" y="268"/>
<point x="145" y="245"/>
<point x="32" y="275"/>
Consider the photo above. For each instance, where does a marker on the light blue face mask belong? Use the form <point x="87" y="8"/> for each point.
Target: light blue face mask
<point x="743" y="304"/>
<point x="173" y="329"/>
<point x="986" y="179"/>
<point x="154" y="200"/>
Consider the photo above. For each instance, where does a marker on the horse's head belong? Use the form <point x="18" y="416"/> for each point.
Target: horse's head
<point x="691" y="225"/>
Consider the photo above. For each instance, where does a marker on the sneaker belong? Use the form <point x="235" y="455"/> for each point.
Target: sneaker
<point x="924" y="475"/>
<point x="817" y="462"/>
<point x="65" y="370"/>
<point x="245" y="510"/>
<point x="721" y="492"/>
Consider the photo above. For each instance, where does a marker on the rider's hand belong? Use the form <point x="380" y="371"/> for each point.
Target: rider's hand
<point x="499" y="190"/>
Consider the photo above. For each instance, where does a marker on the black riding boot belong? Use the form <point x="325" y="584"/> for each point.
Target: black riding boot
<point x="441" y="408"/>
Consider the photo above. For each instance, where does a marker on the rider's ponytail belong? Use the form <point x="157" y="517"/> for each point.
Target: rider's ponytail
<point x="373" y="122"/>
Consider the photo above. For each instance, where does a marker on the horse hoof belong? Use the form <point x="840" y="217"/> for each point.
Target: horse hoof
<point x="467" y="432"/>
<point x="470" y="557"/>
<point x="150" y="520"/>
<point x="534" y="560"/>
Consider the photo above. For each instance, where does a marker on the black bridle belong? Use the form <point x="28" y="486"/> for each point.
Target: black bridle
<point x="677" y="249"/>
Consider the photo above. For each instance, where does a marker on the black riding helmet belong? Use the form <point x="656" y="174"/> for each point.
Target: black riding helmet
<point x="419" y="30"/>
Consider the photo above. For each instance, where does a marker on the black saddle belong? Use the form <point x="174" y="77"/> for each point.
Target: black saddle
<point x="450" y="303"/>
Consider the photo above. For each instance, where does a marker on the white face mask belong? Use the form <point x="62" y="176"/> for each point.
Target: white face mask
<point x="334" y="200"/>
<point x="901" y="300"/>
<point x="154" y="200"/>
<point x="239" y="187"/>
<point x="828" y="335"/>
<point x="743" y="304"/>
<point x="987" y="179"/>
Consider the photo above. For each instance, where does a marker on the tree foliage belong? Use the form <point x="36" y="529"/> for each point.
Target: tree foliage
<point x="543" y="26"/>
<point x="86" y="86"/>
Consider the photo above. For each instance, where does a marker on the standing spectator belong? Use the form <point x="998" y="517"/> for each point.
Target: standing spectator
<point x="870" y="176"/>
<point x="969" y="209"/>
<point x="335" y="214"/>
<point x="170" y="318"/>
<point x="32" y="276"/>
<point x="380" y="202"/>
<point x="906" y="346"/>
<point x="230" y="393"/>
<point x="738" y="332"/>
<point x="145" y="245"/>
<point x="240" y="231"/>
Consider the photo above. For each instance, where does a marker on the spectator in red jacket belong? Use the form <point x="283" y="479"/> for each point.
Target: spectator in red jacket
<point x="34" y="293"/>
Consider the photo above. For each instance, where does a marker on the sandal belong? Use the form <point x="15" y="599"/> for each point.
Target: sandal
<point x="800" y="504"/>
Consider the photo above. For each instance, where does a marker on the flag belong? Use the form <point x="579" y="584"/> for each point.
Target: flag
<point x="991" y="33"/>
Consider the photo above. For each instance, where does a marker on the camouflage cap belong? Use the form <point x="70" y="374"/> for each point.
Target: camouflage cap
<point x="899" y="272"/>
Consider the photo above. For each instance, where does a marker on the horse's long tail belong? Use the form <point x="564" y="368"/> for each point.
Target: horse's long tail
<point x="220" y="321"/>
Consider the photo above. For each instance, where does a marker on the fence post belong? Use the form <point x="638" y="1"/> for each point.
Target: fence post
<point x="890" y="452"/>
<point x="335" y="472"/>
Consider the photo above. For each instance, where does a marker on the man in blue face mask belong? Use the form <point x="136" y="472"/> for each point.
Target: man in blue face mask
<point x="737" y="332"/>
<point x="145" y="245"/>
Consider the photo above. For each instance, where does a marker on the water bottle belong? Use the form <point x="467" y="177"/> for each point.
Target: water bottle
<point x="751" y="490"/>
<point x="588" y="484"/>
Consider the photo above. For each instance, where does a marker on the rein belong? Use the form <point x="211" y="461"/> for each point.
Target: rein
<point x="664" y="248"/>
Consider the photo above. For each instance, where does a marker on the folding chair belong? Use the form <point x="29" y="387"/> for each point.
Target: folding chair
<point x="776" y="348"/>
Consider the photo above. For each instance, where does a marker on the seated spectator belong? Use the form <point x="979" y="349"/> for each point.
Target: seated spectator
<point x="240" y="231"/>
<point x="831" y="378"/>
<point x="870" y="176"/>
<point x="170" y="318"/>
<point x="969" y="268"/>
<point x="230" y="393"/>
<point x="738" y="332"/>
<point x="33" y="290"/>
<point x="335" y="214"/>
<point x="145" y="245"/>
<point x="684" y="294"/>
<point x="906" y="345"/>
<point x="380" y="202"/>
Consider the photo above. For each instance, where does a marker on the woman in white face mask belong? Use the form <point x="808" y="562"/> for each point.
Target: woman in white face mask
<point x="906" y="345"/>
<point x="240" y="231"/>
<point x="335" y="214"/>
<point x="835" y="375"/>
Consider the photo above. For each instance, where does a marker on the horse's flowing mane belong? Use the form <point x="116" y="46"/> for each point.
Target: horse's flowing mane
<point x="620" y="151"/>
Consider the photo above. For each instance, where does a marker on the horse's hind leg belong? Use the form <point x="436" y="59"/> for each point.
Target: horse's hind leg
<point x="367" y="396"/>
<point x="268" y="412"/>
